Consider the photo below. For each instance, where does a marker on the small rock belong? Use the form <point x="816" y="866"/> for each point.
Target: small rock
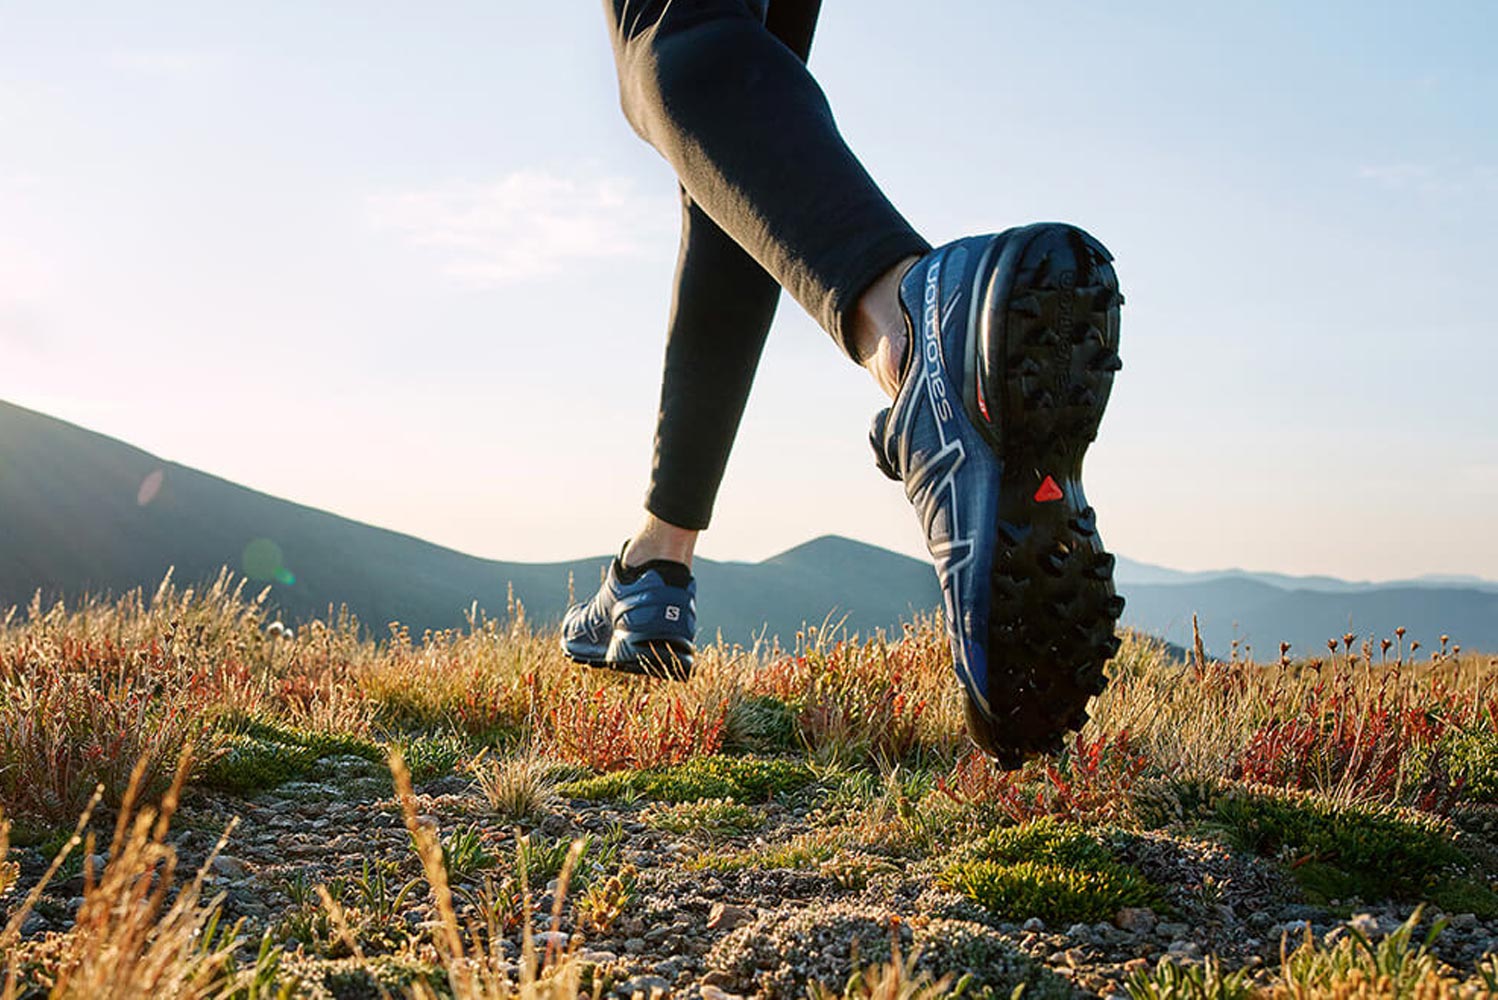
<point x="647" y="986"/>
<point x="1260" y="919"/>
<point x="34" y="923"/>
<point x="1074" y="957"/>
<point x="545" y="939"/>
<point x="1464" y="921"/>
<point x="1034" y="924"/>
<point x="726" y="916"/>
<point x="634" y="946"/>
<point x="1079" y="932"/>
<point x="597" y="957"/>
<point x="1293" y="927"/>
<point x="1136" y="919"/>
<point x="230" y="867"/>
<point x="1189" y="949"/>
<point x="1170" y="930"/>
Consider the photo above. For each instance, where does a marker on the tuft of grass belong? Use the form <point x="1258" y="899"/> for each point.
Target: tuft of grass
<point x="745" y="779"/>
<point x="140" y="931"/>
<point x="1171" y="980"/>
<point x="1397" y="968"/>
<point x="520" y="789"/>
<point x="472" y="955"/>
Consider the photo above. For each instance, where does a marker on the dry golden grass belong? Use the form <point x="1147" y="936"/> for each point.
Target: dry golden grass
<point x="139" y="933"/>
<point x="168" y="674"/>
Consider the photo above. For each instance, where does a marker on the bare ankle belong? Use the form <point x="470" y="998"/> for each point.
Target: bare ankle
<point x="659" y="539"/>
<point x="878" y="330"/>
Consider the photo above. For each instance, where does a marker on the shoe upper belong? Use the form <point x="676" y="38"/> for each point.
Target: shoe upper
<point x="653" y="602"/>
<point x="927" y="440"/>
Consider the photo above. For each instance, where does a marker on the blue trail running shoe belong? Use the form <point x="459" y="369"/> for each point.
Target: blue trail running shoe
<point x="643" y="620"/>
<point x="1014" y="343"/>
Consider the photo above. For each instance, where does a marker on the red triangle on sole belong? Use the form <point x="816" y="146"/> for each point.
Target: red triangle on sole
<point x="1048" y="491"/>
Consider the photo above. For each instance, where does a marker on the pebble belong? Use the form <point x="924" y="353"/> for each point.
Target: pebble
<point x="648" y="986"/>
<point x="1034" y="924"/>
<point x="1136" y="919"/>
<point x="1081" y="932"/>
<point x="545" y="939"/>
<point x="726" y="916"/>
<point x="1189" y="949"/>
<point x="1170" y="930"/>
<point x="634" y="946"/>
<point x="230" y="867"/>
<point x="597" y="957"/>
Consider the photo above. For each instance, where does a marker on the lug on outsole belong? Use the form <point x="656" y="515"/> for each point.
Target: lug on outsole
<point x="1049" y="362"/>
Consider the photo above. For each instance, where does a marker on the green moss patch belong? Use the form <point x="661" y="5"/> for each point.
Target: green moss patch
<point x="1343" y="850"/>
<point x="744" y="779"/>
<point x="261" y="756"/>
<point x="1058" y="872"/>
<point x="1473" y="760"/>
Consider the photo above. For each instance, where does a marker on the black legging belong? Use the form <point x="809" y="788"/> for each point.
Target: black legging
<point x="771" y="197"/>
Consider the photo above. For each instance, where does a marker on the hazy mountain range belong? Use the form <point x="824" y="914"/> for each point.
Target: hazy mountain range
<point x="80" y="511"/>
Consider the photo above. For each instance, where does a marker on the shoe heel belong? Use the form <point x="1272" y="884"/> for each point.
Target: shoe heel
<point x="667" y="658"/>
<point x="1050" y="346"/>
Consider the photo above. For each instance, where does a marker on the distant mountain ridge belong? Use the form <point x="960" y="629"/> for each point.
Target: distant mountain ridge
<point x="80" y="511"/>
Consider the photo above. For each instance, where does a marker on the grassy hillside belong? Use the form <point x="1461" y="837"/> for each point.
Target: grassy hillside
<point x="84" y="513"/>
<point x="779" y="823"/>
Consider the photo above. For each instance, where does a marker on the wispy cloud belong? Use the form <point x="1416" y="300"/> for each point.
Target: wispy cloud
<point x="1431" y="178"/>
<point x="526" y="225"/>
<point x="169" y="63"/>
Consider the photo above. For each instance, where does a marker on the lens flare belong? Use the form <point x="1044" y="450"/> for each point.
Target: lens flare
<point x="149" y="487"/>
<point x="262" y="560"/>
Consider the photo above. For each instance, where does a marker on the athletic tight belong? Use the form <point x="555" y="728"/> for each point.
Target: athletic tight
<point x="771" y="198"/>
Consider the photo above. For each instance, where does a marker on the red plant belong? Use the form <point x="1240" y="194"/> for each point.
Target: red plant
<point x="76" y="713"/>
<point x="613" y="733"/>
<point x="1088" y="783"/>
<point x="855" y="700"/>
<point x="1365" y="744"/>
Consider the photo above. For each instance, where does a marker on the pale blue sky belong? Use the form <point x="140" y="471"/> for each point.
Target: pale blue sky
<point x="407" y="262"/>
